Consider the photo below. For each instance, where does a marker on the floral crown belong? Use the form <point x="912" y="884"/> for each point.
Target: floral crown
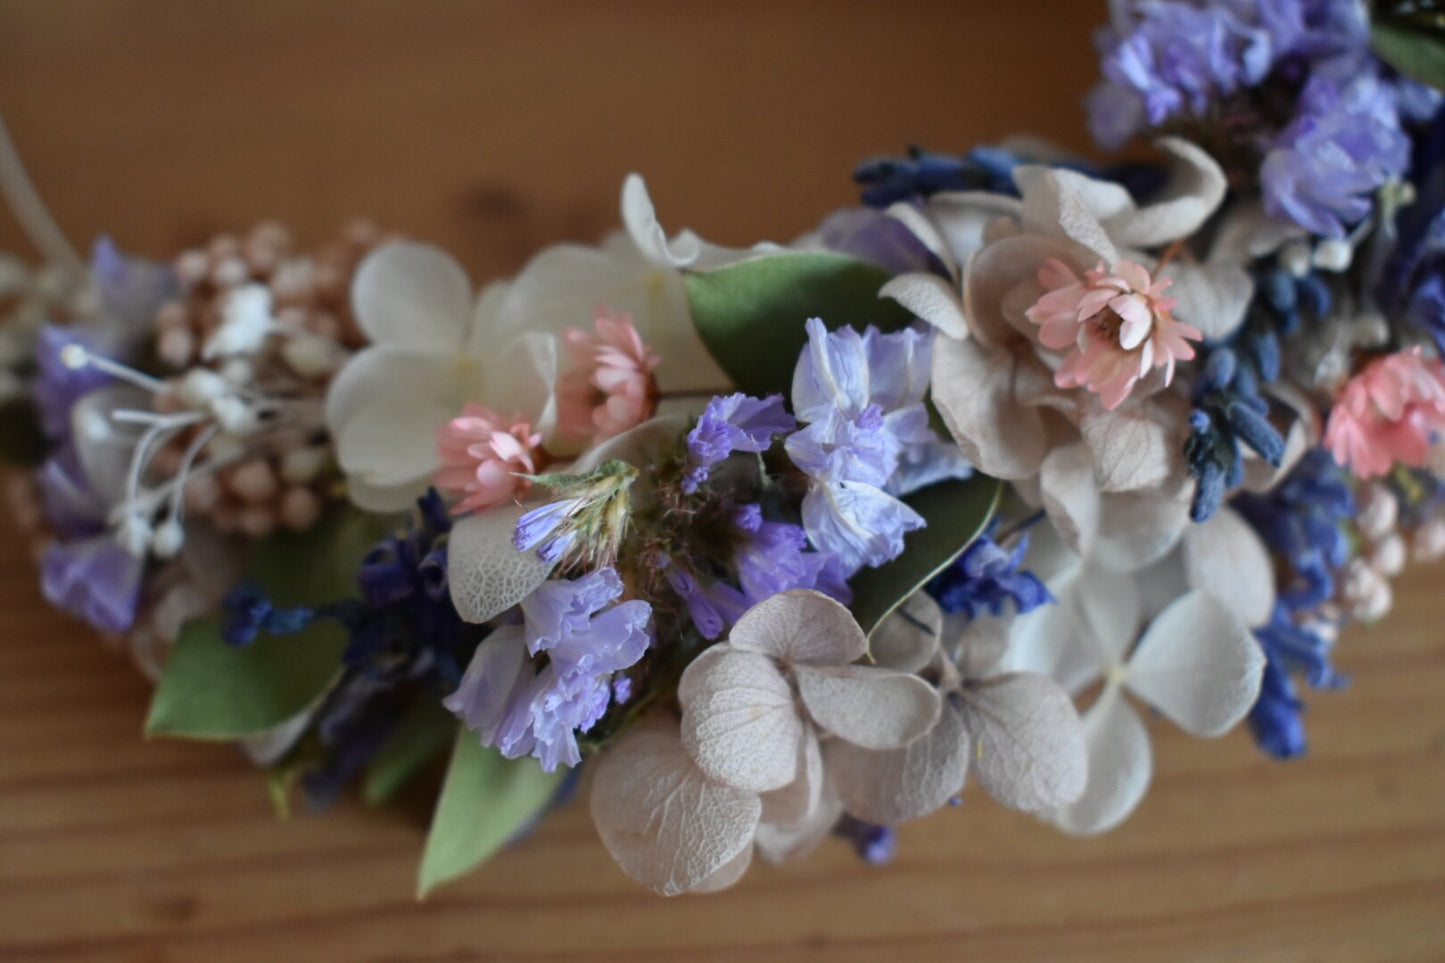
<point x="789" y="542"/>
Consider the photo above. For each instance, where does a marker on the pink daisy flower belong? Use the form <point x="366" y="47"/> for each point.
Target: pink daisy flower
<point x="1388" y="412"/>
<point x="1115" y="326"/>
<point x="482" y="454"/>
<point x="608" y="387"/>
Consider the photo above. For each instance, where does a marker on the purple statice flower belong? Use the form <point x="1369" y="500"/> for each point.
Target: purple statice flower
<point x="986" y="578"/>
<point x="546" y="529"/>
<point x="712" y="606"/>
<point x="772" y="557"/>
<point x="523" y="711"/>
<point x="1343" y="144"/>
<point x="72" y="507"/>
<point x="93" y="579"/>
<point x="860" y="396"/>
<point x="877" y="238"/>
<point x="732" y="423"/>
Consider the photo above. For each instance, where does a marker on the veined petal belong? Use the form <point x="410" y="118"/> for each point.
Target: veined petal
<point x="870" y="707"/>
<point x="1029" y="751"/>
<point x="739" y="723"/>
<point x="413" y="296"/>
<point x="894" y="785"/>
<point x="1119" y="768"/>
<point x="800" y="627"/>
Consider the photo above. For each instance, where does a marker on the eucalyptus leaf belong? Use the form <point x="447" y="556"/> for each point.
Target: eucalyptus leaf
<point x="212" y="690"/>
<point x="750" y="314"/>
<point x="422" y="735"/>
<point x="1417" y="51"/>
<point x="956" y="513"/>
<point x="485" y="801"/>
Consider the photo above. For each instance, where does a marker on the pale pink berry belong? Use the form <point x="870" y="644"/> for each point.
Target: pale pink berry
<point x="482" y="456"/>
<point x="1114" y="324"/>
<point x="608" y="386"/>
<point x="1389" y="412"/>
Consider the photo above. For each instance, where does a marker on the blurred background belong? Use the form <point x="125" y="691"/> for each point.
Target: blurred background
<point x="492" y="129"/>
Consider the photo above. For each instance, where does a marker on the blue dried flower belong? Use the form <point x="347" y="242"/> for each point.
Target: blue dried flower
<point x="986" y="578"/>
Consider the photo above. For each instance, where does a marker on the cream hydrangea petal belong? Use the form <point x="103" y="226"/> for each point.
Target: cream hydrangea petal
<point x="1001" y="283"/>
<point x="983" y="642"/>
<point x="739" y="722"/>
<point x="1226" y="557"/>
<point x="870" y="707"/>
<point x="963" y="219"/>
<point x="973" y="389"/>
<point x="930" y="298"/>
<point x="414" y="296"/>
<point x="776" y="843"/>
<point x="1120" y="766"/>
<point x="907" y="640"/>
<point x="1053" y="640"/>
<point x="662" y="819"/>
<point x="384" y="445"/>
<point x="1071" y="495"/>
<point x="1198" y="665"/>
<point x="520" y="378"/>
<point x="922" y="227"/>
<point x="800" y="627"/>
<point x="894" y="785"/>
<point x="1028" y="741"/>
<point x="1138" y="528"/>
<point x="793" y="804"/>
<point x="1132" y="448"/>
<point x="727" y="874"/>
<point x="1066" y="205"/>
<point x="640" y="217"/>
<point x="1194" y="191"/>
<point x="1212" y="296"/>
<point x="485" y="572"/>
<point x="1110" y="613"/>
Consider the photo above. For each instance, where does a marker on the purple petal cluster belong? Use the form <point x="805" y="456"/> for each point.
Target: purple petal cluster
<point x="94" y="579"/>
<point x="522" y="710"/>
<point x="986" y="578"/>
<point x="732" y="423"/>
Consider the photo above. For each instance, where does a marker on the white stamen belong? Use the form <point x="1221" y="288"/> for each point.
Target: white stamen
<point x="169" y="539"/>
<point x="76" y="356"/>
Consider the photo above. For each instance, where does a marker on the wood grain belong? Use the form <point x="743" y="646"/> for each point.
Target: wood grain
<point x="493" y="128"/>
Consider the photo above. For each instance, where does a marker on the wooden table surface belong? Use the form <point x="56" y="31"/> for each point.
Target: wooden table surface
<point x="494" y="128"/>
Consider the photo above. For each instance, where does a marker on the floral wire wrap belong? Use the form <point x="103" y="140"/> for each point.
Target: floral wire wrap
<point x="1019" y="424"/>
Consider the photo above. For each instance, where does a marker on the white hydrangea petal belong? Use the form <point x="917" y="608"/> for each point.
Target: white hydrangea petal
<point x="640" y="217"/>
<point x="776" y="843"/>
<point x="1198" y="665"/>
<point x="727" y="874"/>
<point x="1227" y="558"/>
<point x="1132" y="448"/>
<point x="894" y="785"/>
<point x="1067" y="205"/>
<point x="1211" y="296"/>
<point x="1052" y="640"/>
<point x="931" y="298"/>
<point x="907" y="640"/>
<point x="520" y="379"/>
<point x="383" y="372"/>
<point x="1001" y="283"/>
<point x="1194" y="191"/>
<point x="793" y="804"/>
<point x="485" y="572"/>
<point x="1120" y="766"/>
<point x="1071" y="496"/>
<point x="983" y="642"/>
<point x="414" y="296"/>
<point x="383" y="499"/>
<point x="739" y="721"/>
<point x="1028" y="741"/>
<point x="384" y="445"/>
<point x="870" y="707"/>
<point x="1110" y="612"/>
<point x="1138" y="528"/>
<point x="973" y="390"/>
<point x="800" y="627"/>
<point x="962" y="219"/>
<point x="662" y="819"/>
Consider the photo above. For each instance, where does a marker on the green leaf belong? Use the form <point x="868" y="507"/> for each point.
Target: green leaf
<point x="750" y="314"/>
<point x="957" y="512"/>
<point x="1416" y="51"/>
<point x="21" y="440"/>
<point x="422" y="735"/>
<point x="211" y="690"/>
<point x="485" y="801"/>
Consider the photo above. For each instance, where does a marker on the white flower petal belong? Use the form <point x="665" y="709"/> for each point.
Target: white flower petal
<point x="776" y="843"/>
<point x="739" y="722"/>
<point x="1226" y="557"/>
<point x="1028" y="742"/>
<point x="1071" y="495"/>
<point x="1001" y="282"/>
<point x="1194" y="191"/>
<point x="794" y="804"/>
<point x="870" y="707"/>
<point x="800" y="627"/>
<point x="931" y="298"/>
<point x="520" y="379"/>
<point x="1053" y="640"/>
<point x="1110" y="613"/>
<point x="973" y="389"/>
<point x="661" y="818"/>
<point x="1119" y="768"/>
<point x="963" y="219"/>
<point x="640" y="217"/>
<point x="1198" y="665"/>
<point x="385" y="445"/>
<point x="922" y="227"/>
<point x="1138" y="528"/>
<point x="895" y="785"/>
<point x="1066" y="205"/>
<point x="413" y="296"/>
<point x="485" y="572"/>
<point x="728" y="874"/>
<point x="1212" y="296"/>
<point x="1132" y="448"/>
<point x="907" y="640"/>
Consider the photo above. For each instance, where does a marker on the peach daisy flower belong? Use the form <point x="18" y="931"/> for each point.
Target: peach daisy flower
<point x="1388" y="412"/>
<point x="609" y="386"/>
<point x="483" y="456"/>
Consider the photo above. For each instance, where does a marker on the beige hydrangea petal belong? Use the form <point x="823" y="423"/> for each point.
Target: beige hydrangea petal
<point x="1138" y="528"/>
<point x="800" y="627"/>
<point x="776" y="843"/>
<point x="1071" y="495"/>
<point x="1211" y="296"/>
<point x="1195" y="188"/>
<point x="1226" y="557"/>
<point x="894" y="785"/>
<point x="668" y="825"/>
<point x="995" y="275"/>
<point x="973" y="389"/>
<point x="1198" y="665"/>
<point x="486" y="573"/>
<point x="1028" y="741"/>
<point x="931" y="298"/>
<point x="739" y="720"/>
<point x="1120" y="766"/>
<point x="794" y="803"/>
<point x="412" y="295"/>
<point x="1068" y="205"/>
<point x="870" y="707"/>
<point x="1132" y="448"/>
<point x="907" y="640"/>
<point x="983" y="642"/>
<point x="727" y="874"/>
